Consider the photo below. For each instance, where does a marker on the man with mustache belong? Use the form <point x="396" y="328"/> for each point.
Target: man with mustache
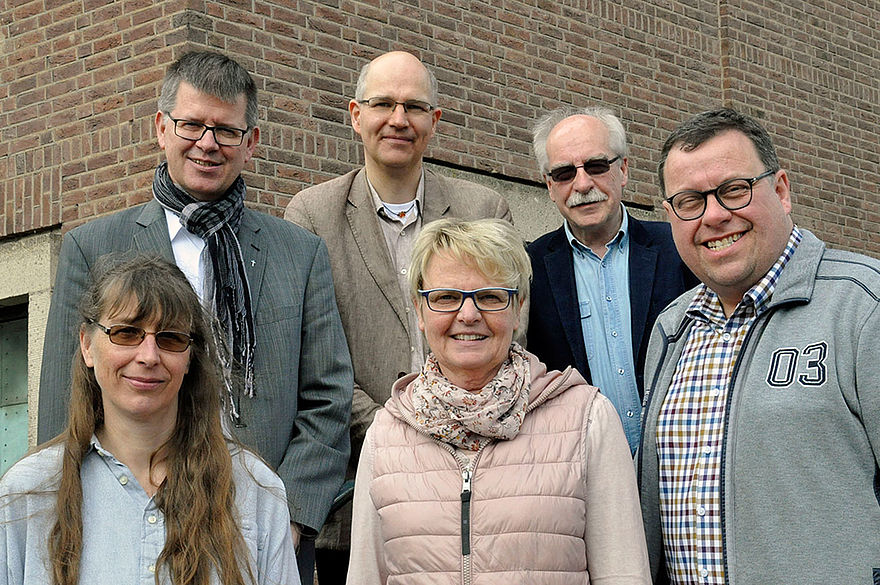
<point x="370" y="218"/>
<point x="601" y="279"/>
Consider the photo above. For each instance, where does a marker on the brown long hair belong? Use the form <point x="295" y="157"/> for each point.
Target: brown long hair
<point x="198" y="494"/>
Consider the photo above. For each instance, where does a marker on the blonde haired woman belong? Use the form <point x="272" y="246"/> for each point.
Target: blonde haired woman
<point x="484" y="467"/>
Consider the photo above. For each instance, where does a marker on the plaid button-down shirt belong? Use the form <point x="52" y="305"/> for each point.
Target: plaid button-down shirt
<point x="690" y="429"/>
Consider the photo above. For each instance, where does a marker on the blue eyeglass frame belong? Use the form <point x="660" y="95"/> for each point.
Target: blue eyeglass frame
<point x="470" y="294"/>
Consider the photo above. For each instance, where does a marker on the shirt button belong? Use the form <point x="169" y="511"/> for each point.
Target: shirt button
<point x="726" y="337"/>
<point x="716" y="391"/>
<point x="411" y="350"/>
<point x="704" y="572"/>
<point x="403" y="270"/>
<point x="620" y="371"/>
<point x="630" y="413"/>
<point x="123" y="480"/>
<point x="701" y="511"/>
<point x="707" y="450"/>
<point x="151" y="519"/>
<point x="152" y="568"/>
<point x="608" y="299"/>
<point x="614" y="334"/>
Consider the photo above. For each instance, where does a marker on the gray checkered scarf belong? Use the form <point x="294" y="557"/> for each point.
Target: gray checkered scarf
<point x="217" y="222"/>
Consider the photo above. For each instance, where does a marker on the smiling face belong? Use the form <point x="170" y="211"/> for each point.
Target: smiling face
<point x="139" y="383"/>
<point x="730" y="251"/>
<point x="395" y="141"/>
<point x="470" y="345"/>
<point x="589" y="203"/>
<point x="204" y="169"/>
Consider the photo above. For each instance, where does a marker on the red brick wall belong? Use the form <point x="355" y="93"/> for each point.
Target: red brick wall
<point x="79" y="81"/>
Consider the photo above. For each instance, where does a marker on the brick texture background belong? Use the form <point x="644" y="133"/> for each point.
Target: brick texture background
<point x="79" y="81"/>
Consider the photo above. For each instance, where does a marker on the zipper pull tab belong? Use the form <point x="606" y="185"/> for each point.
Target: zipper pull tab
<point x="466" y="512"/>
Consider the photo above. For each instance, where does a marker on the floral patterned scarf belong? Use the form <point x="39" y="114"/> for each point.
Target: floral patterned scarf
<point x="468" y="419"/>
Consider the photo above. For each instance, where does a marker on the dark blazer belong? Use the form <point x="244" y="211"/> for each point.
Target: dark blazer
<point x="656" y="277"/>
<point x="298" y="419"/>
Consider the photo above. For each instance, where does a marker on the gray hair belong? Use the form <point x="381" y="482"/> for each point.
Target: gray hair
<point x="705" y="126"/>
<point x="491" y="246"/>
<point x="545" y="124"/>
<point x="430" y="78"/>
<point x="214" y="74"/>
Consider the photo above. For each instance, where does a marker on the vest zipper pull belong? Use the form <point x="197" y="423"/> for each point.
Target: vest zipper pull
<point x="466" y="512"/>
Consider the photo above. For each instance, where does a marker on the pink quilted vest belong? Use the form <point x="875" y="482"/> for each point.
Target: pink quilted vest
<point x="526" y="497"/>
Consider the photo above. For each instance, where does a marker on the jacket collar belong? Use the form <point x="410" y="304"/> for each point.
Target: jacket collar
<point x="795" y="285"/>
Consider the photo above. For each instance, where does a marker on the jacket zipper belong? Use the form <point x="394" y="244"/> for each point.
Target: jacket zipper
<point x="466" y="526"/>
<point x="731" y="387"/>
<point x="468" y="469"/>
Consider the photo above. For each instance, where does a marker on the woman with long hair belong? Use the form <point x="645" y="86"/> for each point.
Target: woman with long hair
<point x="143" y="486"/>
<point x="484" y="467"/>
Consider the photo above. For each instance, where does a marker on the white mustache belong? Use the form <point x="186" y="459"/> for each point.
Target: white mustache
<point x="580" y="198"/>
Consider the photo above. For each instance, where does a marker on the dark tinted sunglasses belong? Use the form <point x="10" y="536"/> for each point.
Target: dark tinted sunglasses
<point x="596" y="166"/>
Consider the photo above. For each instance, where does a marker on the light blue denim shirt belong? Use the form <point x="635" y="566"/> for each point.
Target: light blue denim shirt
<point x="123" y="530"/>
<point x="603" y="298"/>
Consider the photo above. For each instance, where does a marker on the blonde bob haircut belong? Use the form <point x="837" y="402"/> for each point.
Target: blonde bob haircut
<point x="491" y="246"/>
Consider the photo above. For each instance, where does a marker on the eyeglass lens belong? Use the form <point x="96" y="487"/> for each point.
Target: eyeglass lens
<point x="387" y="105"/>
<point x="593" y="167"/>
<point x="130" y="335"/>
<point x="487" y="299"/>
<point x="731" y="195"/>
<point x="222" y="135"/>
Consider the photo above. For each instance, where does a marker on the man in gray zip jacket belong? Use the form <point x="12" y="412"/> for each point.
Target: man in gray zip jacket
<point x="761" y="435"/>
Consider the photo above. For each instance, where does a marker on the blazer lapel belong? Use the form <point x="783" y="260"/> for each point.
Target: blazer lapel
<point x="370" y="241"/>
<point x="642" y="266"/>
<point x="560" y="266"/>
<point x="153" y="233"/>
<point x="253" y="252"/>
<point x="436" y="200"/>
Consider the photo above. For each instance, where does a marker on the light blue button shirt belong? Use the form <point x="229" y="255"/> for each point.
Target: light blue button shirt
<point x="123" y="529"/>
<point x="603" y="298"/>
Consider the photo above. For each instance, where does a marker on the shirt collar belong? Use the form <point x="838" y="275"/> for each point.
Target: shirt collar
<point x="620" y="239"/>
<point x="707" y="306"/>
<point x="174" y="225"/>
<point x="419" y="198"/>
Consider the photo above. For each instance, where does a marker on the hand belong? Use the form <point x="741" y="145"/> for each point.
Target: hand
<point x="294" y="532"/>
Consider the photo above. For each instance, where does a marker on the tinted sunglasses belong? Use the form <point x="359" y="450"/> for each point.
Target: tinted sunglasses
<point x="130" y="336"/>
<point x="596" y="166"/>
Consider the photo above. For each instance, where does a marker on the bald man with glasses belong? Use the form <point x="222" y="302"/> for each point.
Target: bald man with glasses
<point x="370" y="218"/>
<point x="602" y="278"/>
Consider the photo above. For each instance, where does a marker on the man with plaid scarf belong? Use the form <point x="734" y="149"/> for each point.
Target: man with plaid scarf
<point x="267" y="282"/>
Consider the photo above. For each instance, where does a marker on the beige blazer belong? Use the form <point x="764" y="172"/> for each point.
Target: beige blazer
<point x="372" y="308"/>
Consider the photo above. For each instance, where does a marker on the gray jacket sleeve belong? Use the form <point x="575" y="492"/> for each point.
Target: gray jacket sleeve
<point x="61" y="339"/>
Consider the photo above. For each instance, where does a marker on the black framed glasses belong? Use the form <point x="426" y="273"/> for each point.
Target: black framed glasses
<point x="193" y="131"/>
<point x="385" y="105"/>
<point x="731" y="195"/>
<point x="593" y="167"/>
<point x="129" y="335"/>
<point x="451" y="300"/>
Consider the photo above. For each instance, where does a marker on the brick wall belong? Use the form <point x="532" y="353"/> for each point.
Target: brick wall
<point x="79" y="81"/>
